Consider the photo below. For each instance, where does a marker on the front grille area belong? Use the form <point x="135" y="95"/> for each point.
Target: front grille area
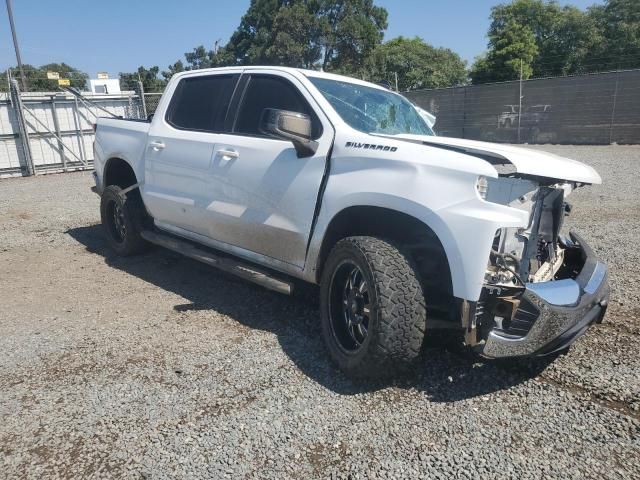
<point x="496" y="314"/>
<point x="522" y="321"/>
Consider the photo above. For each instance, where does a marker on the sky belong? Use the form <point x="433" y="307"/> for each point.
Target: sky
<point x="116" y="35"/>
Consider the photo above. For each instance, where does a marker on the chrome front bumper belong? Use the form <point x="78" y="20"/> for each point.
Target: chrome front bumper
<point x="565" y="310"/>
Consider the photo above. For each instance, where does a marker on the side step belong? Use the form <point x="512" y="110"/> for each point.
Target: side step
<point x="223" y="263"/>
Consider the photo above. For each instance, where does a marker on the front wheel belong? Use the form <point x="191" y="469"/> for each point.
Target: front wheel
<point x="373" y="307"/>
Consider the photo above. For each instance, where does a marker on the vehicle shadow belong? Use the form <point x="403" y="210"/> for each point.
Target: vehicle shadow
<point x="447" y="372"/>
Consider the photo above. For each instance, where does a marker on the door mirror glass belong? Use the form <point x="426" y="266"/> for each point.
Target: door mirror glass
<point x="292" y="126"/>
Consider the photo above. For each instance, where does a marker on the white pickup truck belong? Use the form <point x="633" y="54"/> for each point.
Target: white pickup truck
<point x="279" y="175"/>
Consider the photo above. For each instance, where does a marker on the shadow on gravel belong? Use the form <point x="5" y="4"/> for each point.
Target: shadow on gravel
<point x="447" y="372"/>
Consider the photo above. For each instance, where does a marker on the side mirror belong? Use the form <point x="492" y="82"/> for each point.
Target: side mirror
<point x="292" y="126"/>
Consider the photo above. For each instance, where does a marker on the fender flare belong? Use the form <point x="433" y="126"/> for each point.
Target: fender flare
<point x="418" y="212"/>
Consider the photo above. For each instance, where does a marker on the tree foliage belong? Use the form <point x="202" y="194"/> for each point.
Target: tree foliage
<point x="297" y="38"/>
<point x="37" y="80"/>
<point x="618" y="23"/>
<point x="148" y="77"/>
<point x="541" y="37"/>
<point x="554" y="40"/>
<point x="172" y="69"/>
<point x="535" y="37"/>
<point x="416" y="64"/>
<point x="513" y="51"/>
<point x="251" y="39"/>
<point x="338" y="34"/>
<point x="355" y="28"/>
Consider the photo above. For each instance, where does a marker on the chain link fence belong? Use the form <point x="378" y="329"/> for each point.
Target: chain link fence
<point x="587" y="109"/>
<point x="151" y="100"/>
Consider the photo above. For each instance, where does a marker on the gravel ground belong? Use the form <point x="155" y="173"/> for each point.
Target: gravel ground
<point x="159" y="367"/>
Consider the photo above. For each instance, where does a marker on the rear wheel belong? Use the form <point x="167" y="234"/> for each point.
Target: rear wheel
<point x="123" y="218"/>
<point x="373" y="307"/>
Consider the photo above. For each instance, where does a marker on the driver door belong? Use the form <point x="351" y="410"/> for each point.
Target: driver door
<point x="263" y="195"/>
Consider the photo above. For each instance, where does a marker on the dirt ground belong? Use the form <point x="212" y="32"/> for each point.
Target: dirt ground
<point x="159" y="367"/>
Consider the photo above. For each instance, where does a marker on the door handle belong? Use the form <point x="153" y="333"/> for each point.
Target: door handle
<point x="228" y="153"/>
<point x="157" y="146"/>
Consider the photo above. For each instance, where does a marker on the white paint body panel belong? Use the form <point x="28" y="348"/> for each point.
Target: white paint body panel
<point x="435" y="186"/>
<point x="525" y="161"/>
<point x="260" y="205"/>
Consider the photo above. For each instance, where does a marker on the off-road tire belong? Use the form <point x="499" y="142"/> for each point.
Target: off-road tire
<point x="398" y="316"/>
<point x="133" y="218"/>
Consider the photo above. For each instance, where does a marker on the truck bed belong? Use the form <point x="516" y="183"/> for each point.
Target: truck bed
<point x="121" y="138"/>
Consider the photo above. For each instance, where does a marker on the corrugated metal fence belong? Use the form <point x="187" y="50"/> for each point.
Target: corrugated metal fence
<point x="587" y="109"/>
<point x="44" y="132"/>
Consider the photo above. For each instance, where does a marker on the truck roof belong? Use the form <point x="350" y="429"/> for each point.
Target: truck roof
<point x="306" y="72"/>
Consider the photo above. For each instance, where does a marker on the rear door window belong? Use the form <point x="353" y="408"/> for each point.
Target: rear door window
<point x="201" y="103"/>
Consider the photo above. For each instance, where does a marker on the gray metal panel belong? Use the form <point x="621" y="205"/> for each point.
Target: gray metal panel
<point x="74" y="128"/>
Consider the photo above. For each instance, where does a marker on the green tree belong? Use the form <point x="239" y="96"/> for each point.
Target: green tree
<point x="253" y="36"/>
<point x="340" y="34"/>
<point x="512" y="50"/>
<point x="618" y="22"/>
<point x="37" y="80"/>
<point x="172" y="69"/>
<point x="355" y="29"/>
<point x="575" y="35"/>
<point x="151" y="82"/>
<point x="417" y="65"/>
<point x="297" y="37"/>
<point x="563" y="38"/>
<point x="77" y="78"/>
<point x="199" y="58"/>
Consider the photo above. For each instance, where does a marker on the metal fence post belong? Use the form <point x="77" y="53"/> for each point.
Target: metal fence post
<point x="520" y="102"/>
<point x="56" y="125"/>
<point x="78" y="124"/>
<point x="130" y="110"/>
<point x="615" y="104"/>
<point x="143" y="103"/>
<point x="464" y="111"/>
<point x="16" y="101"/>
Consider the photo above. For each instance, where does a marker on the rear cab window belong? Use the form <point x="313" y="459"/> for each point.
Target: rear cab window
<point x="200" y="103"/>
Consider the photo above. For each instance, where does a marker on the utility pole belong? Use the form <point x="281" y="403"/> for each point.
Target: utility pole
<point x="15" y="45"/>
<point x="520" y="102"/>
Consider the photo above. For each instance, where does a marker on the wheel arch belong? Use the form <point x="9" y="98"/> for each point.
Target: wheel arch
<point x="118" y="171"/>
<point x="421" y="240"/>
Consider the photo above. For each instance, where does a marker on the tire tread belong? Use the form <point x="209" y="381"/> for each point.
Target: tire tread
<point x="400" y="304"/>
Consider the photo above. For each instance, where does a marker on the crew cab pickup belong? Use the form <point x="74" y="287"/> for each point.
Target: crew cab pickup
<point x="282" y="175"/>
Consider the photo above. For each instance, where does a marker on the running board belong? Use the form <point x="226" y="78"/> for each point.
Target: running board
<point x="226" y="264"/>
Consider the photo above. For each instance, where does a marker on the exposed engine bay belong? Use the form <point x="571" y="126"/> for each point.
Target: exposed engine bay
<point x="522" y="256"/>
<point x="529" y="254"/>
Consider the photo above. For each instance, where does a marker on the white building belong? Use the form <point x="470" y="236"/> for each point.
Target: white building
<point x="106" y="86"/>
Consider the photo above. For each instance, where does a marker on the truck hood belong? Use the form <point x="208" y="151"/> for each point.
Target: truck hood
<point x="525" y="161"/>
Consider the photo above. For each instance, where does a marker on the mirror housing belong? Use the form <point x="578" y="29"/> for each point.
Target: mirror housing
<point x="292" y="126"/>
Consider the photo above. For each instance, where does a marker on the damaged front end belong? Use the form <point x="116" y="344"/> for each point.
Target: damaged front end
<point x="542" y="290"/>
